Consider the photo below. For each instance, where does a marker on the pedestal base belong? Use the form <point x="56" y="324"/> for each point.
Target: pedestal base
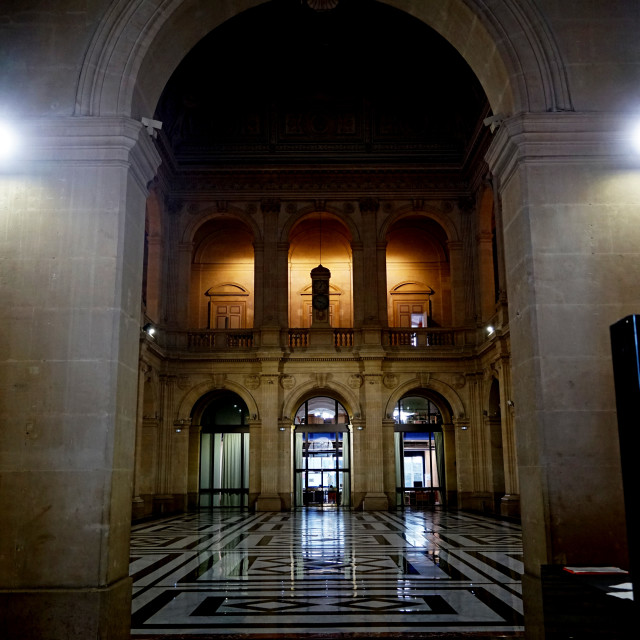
<point x="269" y="503"/>
<point x="375" y="502"/>
<point x="69" y="614"/>
<point x="510" y="506"/>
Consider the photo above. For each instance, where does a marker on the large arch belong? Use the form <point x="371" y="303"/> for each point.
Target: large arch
<point x="205" y="216"/>
<point x="447" y="392"/>
<point x="430" y="212"/>
<point x="336" y="390"/>
<point x="294" y="220"/>
<point x="139" y="44"/>
<point x="193" y="395"/>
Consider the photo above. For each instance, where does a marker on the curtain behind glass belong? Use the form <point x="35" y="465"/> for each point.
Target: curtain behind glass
<point x="298" y="437"/>
<point x="245" y="480"/>
<point x="439" y="439"/>
<point x="232" y="468"/>
<point x="345" y="500"/>
<point x="397" y="447"/>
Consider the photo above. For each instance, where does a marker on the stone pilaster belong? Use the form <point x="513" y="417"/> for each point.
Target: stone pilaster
<point x="368" y="296"/>
<point x="562" y="176"/>
<point x="269" y="498"/>
<point x="511" y="501"/>
<point x="73" y="223"/>
<point x="457" y="282"/>
<point x="372" y="459"/>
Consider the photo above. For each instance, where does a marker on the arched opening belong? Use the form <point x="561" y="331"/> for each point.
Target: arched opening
<point x="322" y="454"/>
<point x="224" y="451"/>
<point x="418" y="274"/>
<point x="222" y="274"/>
<point x="419" y="448"/>
<point x="320" y="238"/>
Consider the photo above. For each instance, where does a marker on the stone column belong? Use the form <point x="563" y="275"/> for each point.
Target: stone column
<point x="258" y="284"/>
<point x="381" y="273"/>
<point x="137" y="508"/>
<point x="269" y="498"/>
<point x="372" y="458"/>
<point x="285" y="466"/>
<point x="72" y="243"/>
<point x="463" y="459"/>
<point x="570" y="198"/>
<point x="480" y="498"/>
<point x="450" y="495"/>
<point x="176" y="295"/>
<point x="193" y="477"/>
<point x="283" y="284"/>
<point x="183" y="286"/>
<point x="274" y="293"/>
<point x="255" y="457"/>
<point x="388" y="451"/>
<point x="357" y="259"/>
<point x="457" y="282"/>
<point x="155" y="273"/>
<point x="487" y="301"/>
<point x="510" y="505"/>
<point x="367" y="297"/>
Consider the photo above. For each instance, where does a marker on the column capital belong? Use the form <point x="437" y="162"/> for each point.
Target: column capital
<point x="534" y="138"/>
<point x="106" y="140"/>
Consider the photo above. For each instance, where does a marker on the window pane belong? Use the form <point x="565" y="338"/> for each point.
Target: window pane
<point x="322" y="410"/>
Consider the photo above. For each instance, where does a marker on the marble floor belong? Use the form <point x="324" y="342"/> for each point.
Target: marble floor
<point x="327" y="573"/>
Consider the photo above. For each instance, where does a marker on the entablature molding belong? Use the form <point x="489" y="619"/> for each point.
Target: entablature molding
<point x="561" y="138"/>
<point x="314" y="184"/>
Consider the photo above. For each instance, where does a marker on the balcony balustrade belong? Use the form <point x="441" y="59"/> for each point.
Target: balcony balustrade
<point x="394" y="339"/>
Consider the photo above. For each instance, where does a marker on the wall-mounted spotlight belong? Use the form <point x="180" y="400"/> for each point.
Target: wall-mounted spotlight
<point x="149" y="329"/>
<point x="510" y="403"/>
<point x="152" y="126"/>
<point x="282" y="428"/>
<point x="494" y="122"/>
<point x="490" y="330"/>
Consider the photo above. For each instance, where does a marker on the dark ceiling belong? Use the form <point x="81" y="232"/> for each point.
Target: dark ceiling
<point x="282" y="84"/>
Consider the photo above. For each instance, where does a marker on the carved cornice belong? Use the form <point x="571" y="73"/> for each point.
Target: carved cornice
<point x="318" y="184"/>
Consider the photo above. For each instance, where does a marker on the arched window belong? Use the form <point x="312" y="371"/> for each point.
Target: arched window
<point x="224" y="452"/>
<point x="419" y="452"/>
<point x="322" y="454"/>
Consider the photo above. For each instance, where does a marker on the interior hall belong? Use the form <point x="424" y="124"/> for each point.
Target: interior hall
<point x="316" y="297"/>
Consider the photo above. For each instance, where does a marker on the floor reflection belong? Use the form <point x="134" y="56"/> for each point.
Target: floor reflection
<point x="333" y="573"/>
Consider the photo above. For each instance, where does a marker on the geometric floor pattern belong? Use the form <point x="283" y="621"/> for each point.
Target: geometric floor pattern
<point x="328" y="573"/>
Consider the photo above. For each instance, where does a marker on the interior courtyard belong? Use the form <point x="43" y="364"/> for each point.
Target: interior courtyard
<point x="315" y="291"/>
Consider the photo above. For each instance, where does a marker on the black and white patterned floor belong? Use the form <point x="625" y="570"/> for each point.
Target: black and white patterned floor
<point x="326" y="573"/>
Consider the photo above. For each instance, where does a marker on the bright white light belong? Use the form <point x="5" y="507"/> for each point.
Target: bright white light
<point x="8" y="140"/>
<point x="635" y="137"/>
<point x="490" y="329"/>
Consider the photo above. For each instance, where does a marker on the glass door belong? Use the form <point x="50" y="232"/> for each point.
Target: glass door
<point x="322" y="455"/>
<point x="419" y="453"/>
<point x="322" y="469"/>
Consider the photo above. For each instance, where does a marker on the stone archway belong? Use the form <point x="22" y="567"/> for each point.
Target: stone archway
<point x="139" y="44"/>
